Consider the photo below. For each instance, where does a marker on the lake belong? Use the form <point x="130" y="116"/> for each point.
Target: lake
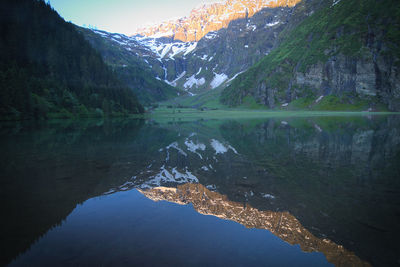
<point x="281" y="191"/>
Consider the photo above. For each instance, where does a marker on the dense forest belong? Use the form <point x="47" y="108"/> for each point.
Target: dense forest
<point x="48" y="69"/>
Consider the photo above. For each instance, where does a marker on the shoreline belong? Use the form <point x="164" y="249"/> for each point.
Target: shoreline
<point x="189" y="113"/>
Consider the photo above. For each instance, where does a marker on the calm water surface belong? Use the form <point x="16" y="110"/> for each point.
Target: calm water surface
<point x="318" y="191"/>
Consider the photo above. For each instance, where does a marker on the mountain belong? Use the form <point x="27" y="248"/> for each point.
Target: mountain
<point x="129" y="66"/>
<point x="48" y="69"/>
<point x="210" y="17"/>
<point x="217" y="58"/>
<point x="310" y="54"/>
<point x="346" y="55"/>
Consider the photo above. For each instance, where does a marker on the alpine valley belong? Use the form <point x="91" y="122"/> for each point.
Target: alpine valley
<point x="248" y="133"/>
<point x="269" y="54"/>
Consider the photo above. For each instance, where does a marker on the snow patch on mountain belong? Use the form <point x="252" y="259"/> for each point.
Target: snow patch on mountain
<point x="199" y="71"/>
<point x="272" y="24"/>
<point x="319" y="99"/>
<point x="218" y="80"/>
<point x="173" y="83"/>
<point x="234" y="77"/>
<point x="211" y="35"/>
<point x="191" y="81"/>
<point x="101" y="33"/>
<point x="165" y="50"/>
<point x="190" y="48"/>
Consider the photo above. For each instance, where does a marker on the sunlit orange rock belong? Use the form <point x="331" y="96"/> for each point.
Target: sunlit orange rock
<point x="211" y="17"/>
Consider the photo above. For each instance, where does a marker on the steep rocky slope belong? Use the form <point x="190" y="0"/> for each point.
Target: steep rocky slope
<point x="321" y="55"/>
<point x="130" y="67"/>
<point x="347" y="53"/>
<point x="218" y="57"/>
<point x="210" y="17"/>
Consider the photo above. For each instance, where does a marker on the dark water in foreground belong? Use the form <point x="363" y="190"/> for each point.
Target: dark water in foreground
<point x="264" y="192"/>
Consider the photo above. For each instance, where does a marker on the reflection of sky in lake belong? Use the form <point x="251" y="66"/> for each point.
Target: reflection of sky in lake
<point x="321" y="183"/>
<point x="127" y="228"/>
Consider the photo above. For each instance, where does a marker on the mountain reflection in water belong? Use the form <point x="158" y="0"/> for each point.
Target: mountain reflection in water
<point x="328" y="184"/>
<point x="282" y="224"/>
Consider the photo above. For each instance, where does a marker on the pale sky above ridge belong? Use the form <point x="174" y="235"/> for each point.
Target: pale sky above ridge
<point x="122" y="16"/>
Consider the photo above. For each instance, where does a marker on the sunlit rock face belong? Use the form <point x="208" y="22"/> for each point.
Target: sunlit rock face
<point x="210" y="17"/>
<point x="216" y="56"/>
<point x="282" y="224"/>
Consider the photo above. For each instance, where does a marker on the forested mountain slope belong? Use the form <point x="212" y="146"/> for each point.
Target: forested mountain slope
<point x="47" y="68"/>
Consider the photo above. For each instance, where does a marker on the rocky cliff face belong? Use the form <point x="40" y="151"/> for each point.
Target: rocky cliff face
<point x="346" y="50"/>
<point x="217" y="58"/>
<point x="373" y="75"/>
<point x="210" y="17"/>
<point x="310" y="54"/>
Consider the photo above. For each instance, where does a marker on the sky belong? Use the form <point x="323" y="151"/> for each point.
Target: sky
<point x="122" y="16"/>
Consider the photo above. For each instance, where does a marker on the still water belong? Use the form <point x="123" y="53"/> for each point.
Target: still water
<point x="318" y="191"/>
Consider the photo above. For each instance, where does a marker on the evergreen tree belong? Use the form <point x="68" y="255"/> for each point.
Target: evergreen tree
<point x="46" y="66"/>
